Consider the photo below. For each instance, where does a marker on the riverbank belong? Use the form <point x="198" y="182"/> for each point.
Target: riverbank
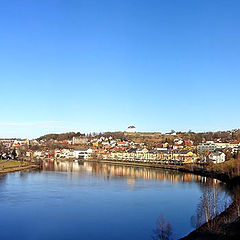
<point x="223" y="227"/>
<point x="227" y="224"/>
<point x="8" y="166"/>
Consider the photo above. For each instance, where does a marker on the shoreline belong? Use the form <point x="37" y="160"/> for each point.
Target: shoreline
<point x="18" y="168"/>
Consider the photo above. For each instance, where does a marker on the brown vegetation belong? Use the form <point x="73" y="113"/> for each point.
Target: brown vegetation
<point x="60" y="136"/>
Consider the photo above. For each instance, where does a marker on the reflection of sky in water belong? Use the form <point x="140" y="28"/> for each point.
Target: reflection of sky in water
<point x="94" y="201"/>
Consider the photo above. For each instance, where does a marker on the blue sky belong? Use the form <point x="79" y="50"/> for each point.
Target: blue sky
<point x="74" y="65"/>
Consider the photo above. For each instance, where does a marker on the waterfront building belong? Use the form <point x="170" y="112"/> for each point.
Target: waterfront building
<point x="144" y="155"/>
<point x="82" y="153"/>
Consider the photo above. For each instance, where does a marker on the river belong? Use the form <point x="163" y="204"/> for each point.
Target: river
<point x="75" y="200"/>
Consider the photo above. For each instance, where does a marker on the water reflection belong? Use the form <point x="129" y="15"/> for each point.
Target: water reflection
<point x="131" y="173"/>
<point x="3" y="179"/>
<point x="215" y="196"/>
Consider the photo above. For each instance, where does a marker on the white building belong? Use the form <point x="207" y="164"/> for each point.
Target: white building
<point x="131" y="129"/>
<point x="37" y="154"/>
<point x="82" y="153"/>
<point x="217" y="157"/>
<point x="63" y="153"/>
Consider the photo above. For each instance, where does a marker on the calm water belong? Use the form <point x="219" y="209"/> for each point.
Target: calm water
<point x="97" y="201"/>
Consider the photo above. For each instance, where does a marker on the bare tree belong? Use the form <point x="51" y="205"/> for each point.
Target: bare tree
<point x="212" y="203"/>
<point x="163" y="230"/>
<point x="236" y="192"/>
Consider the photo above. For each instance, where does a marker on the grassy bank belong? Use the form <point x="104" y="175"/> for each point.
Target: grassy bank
<point x="7" y="166"/>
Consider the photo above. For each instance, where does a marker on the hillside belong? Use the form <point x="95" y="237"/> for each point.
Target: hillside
<point x="153" y="137"/>
<point x="60" y="136"/>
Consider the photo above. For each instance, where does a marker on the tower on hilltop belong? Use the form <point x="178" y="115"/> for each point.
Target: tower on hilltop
<point x="131" y="129"/>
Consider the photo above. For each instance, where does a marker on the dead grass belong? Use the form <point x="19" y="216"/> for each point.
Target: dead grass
<point x="5" y="164"/>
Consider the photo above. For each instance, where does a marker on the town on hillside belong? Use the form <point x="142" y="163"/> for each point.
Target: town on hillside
<point x="130" y="146"/>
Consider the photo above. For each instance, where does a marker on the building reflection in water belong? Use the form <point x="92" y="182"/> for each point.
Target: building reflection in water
<point x="131" y="173"/>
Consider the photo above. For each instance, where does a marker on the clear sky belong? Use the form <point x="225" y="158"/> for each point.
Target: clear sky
<point x="90" y="65"/>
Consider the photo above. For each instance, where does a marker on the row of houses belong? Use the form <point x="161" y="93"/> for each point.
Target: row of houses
<point x="14" y="142"/>
<point x="62" y="153"/>
<point x="144" y="155"/>
<point x="211" y="146"/>
<point x="184" y="156"/>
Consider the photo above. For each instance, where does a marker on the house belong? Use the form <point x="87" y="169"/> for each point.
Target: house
<point x="105" y="143"/>
<point x="177" y="146"/>
<point x="188" y="143"/>
<point x="79" y="140"/>
<point x="206" y="147"/>
<point x="37" y="154"/>
<point x="178" y="141"/>
<point x="122" y="144"/>
<point x="188" y="156"/>
<point x="82" y="153"/>
<point x="95" y="144"/>
<point x="217" y="157"/>
<point x="165" y="145"/>
<point x="184" y="156"/>
<point x="161" y="149"/>
<point x="63" y="153"/>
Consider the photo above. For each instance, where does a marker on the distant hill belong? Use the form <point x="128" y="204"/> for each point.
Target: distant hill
<point x="152" y="136"/>
<point x="156" y="137"/>
<point x="60" y="136"/>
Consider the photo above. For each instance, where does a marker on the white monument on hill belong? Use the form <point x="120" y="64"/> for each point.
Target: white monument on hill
<point x="131" y="129"/>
